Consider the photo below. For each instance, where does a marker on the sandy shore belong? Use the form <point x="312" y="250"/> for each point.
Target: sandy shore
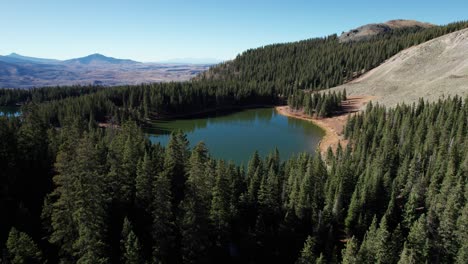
<point x="333" y="126"/>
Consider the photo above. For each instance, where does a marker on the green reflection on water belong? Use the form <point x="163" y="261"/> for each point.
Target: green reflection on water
<point x="236" y="136"/>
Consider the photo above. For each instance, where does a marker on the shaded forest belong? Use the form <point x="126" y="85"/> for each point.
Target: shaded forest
<point x="82" y="194"/>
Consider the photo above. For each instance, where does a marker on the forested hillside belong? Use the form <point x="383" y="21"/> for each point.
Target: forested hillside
<point x="82" y="194"/>
<point x="321" y="62"/>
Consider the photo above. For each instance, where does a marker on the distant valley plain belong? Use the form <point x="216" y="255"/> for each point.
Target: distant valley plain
<point x="17" y="71"/>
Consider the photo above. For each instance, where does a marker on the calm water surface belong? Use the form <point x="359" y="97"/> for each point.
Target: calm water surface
<point x="237" y="135"/>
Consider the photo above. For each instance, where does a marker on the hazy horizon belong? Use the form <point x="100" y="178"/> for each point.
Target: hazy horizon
<point x="172" y="60"/>
<point x="155" y="31"/>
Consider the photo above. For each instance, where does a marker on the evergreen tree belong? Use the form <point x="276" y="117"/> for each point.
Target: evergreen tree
<point x="22" y="249"/>
<point x="416" y="249"/>
<point x="367" y="251"/>
<point x="79" y="212"/>
<point x="307" y="254"/>
<point x="163" y="228"/>
<point x="195" y="208"/>
<point x="219" y="212"/>
<point x="146" y="174"/>
<point x="175" y="159"/>
<point x="350" y="252"/>
<point x="130" y="246"/>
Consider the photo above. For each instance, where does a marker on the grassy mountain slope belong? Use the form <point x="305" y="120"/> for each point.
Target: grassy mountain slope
<point x="430" y="70"/>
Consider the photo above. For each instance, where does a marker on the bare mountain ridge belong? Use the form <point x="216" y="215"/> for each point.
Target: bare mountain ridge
<point x="437" y="68"/>
<point x="370" y="30"/>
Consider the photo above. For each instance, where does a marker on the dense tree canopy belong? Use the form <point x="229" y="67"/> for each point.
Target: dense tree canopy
<point x="395" y="194"/>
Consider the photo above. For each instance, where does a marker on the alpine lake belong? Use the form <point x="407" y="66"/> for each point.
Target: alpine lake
<point x="235" y="136"/>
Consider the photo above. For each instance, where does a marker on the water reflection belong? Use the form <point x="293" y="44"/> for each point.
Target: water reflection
<point x="236" y="136"/>
<point x="188" y="125"/>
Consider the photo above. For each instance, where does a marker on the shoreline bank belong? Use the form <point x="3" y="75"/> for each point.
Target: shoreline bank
<point x="332" y="126"/>
<point x="331" y="137"/>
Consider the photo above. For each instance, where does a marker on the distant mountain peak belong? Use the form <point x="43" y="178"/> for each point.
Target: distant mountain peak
<point x="98" y="55"/>
<point x="97" y="58"/>
<point x="20" y="57"/>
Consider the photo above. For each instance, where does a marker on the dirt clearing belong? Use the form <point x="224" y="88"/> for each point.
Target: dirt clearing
<point x="333" y="126"/>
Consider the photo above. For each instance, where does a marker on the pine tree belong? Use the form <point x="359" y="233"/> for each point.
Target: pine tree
<point x="448" y="226"/>
<point x="22" y="249"/>
<point x="254" y="175"/>
<point x="416" y="249"/>
<point x="383" y="252"/>
<point x="194" y="223"/>
<point x="350" y="252"/>
<point x="126" y="149"/>
<point x="144" y="180"/>
<point x="462" y="235"/>
<point x="175" y="159"/>
<point x="219" y="212"/>
<point x="163" y="228"/>
<point x="321" y="259"/>
<point x="130" y="245"/>
<point x="307" y="254"/>
<point x="79" y="212"/>
<point x="367" y="251"/>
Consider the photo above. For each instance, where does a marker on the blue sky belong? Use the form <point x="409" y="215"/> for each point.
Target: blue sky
<point x="156" y="30"/>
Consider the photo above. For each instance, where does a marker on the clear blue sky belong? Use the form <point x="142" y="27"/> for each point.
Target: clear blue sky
<point x="154" y="30"/>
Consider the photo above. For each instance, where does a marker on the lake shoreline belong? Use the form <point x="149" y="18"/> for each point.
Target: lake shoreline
<point x="331" y="137"/>
<point x="333" y="126"/>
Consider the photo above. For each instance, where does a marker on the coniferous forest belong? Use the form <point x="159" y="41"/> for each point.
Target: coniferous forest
<point x="75" y="191"/>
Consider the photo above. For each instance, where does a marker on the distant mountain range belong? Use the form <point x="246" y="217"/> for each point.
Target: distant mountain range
<point x="18" y="71"/>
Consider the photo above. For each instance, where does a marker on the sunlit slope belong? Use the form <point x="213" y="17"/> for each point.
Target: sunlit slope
<point x="430" y="70"/>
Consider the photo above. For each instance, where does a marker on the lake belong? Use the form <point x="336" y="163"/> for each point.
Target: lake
<point x="235" y="136"/>
<point x="9" y="111"/>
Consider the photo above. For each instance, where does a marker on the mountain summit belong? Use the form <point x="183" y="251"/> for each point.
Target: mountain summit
<point x="99" y="59"/>
<point x="370" y="30"/>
